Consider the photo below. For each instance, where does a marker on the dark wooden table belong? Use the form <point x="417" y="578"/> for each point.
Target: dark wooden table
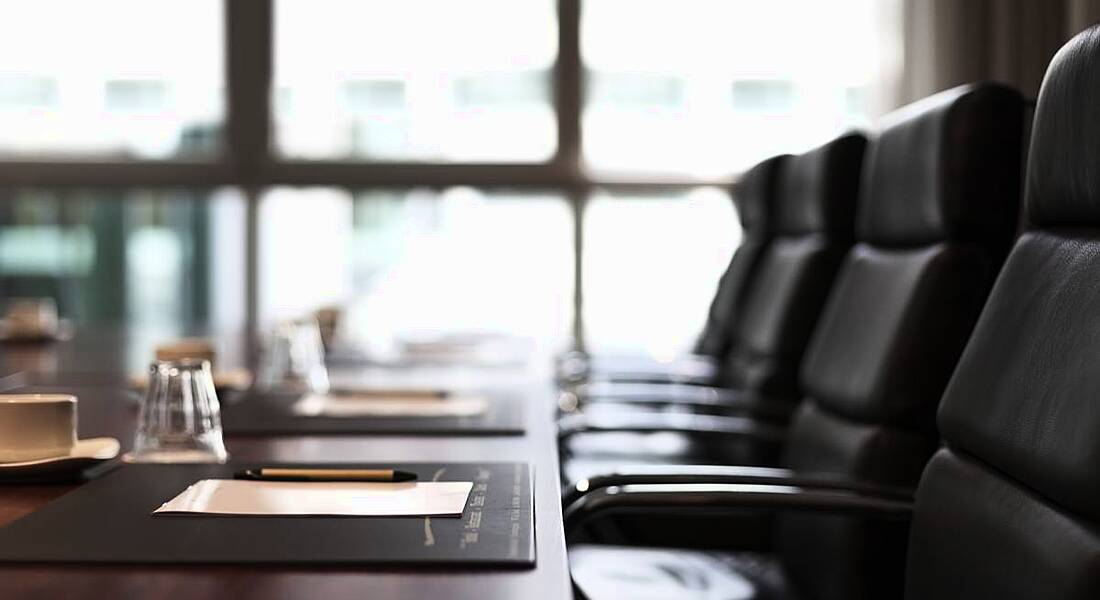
<point x="91" y="365"/>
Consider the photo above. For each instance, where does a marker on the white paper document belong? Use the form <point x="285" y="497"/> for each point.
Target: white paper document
<point x="372" y="405"/>
<point x="244" y="497"/>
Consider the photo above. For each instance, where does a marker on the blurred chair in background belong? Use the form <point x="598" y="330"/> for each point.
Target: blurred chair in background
<point x="754" y="196"/>
<point x="812" y="216"/>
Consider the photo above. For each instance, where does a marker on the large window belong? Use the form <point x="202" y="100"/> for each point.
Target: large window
<point x="707" y="87"/>
<point x="413" y="262"/>
<point x="546" y="168"/>
<point x="651" y="265"/>
<point x="424" y="80"/>
<point x="148" y="257"/>
<point x="111" y="78"/>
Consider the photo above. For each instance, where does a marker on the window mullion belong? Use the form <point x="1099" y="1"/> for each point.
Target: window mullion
<point x="249" y="33"/>
<point x="568" y="86"/>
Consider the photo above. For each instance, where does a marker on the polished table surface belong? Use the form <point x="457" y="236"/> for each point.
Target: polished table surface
<point x="94" y="365"/>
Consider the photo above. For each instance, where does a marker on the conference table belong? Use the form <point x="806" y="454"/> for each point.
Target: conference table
<point x="95" y="366"/>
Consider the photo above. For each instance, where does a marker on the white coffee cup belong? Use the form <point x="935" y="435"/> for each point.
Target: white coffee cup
<point x="36" y="426"/>
<point x="31" y="317"/>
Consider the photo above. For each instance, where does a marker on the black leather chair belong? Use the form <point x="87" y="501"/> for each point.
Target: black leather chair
<point x="753" y="196"/>
<point x="1010" y="508"/>
<point x="938" y="215"/>
<point x="813" y="218"/>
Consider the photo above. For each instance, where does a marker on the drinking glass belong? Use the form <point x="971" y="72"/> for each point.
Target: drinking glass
<point x="180" y="418"/>
<point x="295" y="359"/>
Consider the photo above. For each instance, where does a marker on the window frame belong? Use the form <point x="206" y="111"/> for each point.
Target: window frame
<point x="249" y="162"/>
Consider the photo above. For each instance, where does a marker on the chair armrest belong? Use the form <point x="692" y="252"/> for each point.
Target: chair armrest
<point x="575" y="368"/>
<point x="732" y="474"/>
<point x="718" y="499"/>
<point x="658" y="377"/>
<point x="654" y="393"/>
<point x="692" y="397"/>
<point x="702" y="426"/>
<point x="649" y="394"/>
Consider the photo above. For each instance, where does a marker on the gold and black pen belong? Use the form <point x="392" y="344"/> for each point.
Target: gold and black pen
<point x="291" y="474"/>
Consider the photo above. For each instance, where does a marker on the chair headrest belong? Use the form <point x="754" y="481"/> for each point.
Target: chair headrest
<point x="754" y="195"/>
<point x="945" y="168"/>
<point x="818" y="189"/>
<point x="1063" y="175"/>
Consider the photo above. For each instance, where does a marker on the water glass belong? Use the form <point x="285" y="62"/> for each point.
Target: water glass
<point x="180" y="417"/>
<point x="294" y="360"/>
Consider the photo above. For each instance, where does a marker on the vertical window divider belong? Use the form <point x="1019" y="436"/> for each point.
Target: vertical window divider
<point x="249" y="51"/>
<point x="569" y="100"/>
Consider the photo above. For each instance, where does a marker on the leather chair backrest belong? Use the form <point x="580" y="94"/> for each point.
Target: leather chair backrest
<point x="937" y="217"/>
<point x="813" y="221"/>
<point x="753" y="196"/>
<point x="1010" y="507"/>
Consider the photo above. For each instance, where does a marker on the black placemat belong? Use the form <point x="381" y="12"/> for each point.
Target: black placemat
<point x="255" y="413"/>
<point x="110" y="521"/>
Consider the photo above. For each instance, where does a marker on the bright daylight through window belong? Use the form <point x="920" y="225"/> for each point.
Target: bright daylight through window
<point x="148" y="85"/>
<point x="707" y="87"/>
<point x="681" y="93"/>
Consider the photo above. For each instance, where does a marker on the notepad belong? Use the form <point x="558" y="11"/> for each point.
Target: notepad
<point x="372" y="405"/>
<point x="265" y="498"/>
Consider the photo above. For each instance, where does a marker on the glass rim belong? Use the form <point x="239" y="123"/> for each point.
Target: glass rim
<point x="180" y="363"/>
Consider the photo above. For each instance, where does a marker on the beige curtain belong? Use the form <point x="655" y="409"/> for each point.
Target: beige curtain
<point x="950" y="42"/>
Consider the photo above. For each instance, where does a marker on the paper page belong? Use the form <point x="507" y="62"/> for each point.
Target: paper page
<point x="324" y="405"/>
<point x="244" y="497"/>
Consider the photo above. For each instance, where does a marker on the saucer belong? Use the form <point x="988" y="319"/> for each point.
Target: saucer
<point x="64" y="332"/>
<point x="85" y="453"/>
